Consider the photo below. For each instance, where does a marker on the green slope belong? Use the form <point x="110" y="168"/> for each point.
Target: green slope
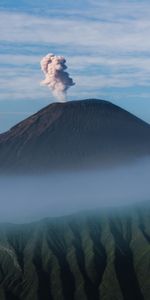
<point x="97" y="255"/>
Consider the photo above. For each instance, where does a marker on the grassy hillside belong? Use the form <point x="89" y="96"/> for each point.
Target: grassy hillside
<point x="89" y="256"/>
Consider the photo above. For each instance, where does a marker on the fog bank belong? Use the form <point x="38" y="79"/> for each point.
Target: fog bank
<point x="29" y="198"/>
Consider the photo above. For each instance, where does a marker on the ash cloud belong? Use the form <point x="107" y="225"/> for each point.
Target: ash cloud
<point x="56" y="78"/>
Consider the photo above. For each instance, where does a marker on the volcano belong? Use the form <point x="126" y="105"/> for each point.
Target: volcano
<point x="75" y="134"/>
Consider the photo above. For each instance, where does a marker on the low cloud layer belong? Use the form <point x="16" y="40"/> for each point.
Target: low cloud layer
<point x="25" y="199"/>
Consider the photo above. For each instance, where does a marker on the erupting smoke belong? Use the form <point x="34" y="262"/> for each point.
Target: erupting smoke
<point x="56" y="78"/>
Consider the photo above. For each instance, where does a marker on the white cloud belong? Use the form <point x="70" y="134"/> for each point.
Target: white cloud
<point x="112" y="36"/>
<point x="130" y="35"/>
<point x="19" y="60"/>
<point x="23" y="80"/>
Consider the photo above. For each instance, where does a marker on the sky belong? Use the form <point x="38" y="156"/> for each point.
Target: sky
<point x="106" y="44"/>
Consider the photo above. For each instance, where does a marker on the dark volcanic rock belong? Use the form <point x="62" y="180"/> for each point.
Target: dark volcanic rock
<point x="74" y="134"/>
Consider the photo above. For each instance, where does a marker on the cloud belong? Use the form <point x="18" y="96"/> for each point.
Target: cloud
<point x="22" y="75"/>
<point x="129" y="35"/>
<point x="107" y="46"/>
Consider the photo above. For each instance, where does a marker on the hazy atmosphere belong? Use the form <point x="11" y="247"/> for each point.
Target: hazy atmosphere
<point x="29" y="198"/>
<point x="74" y="150"/>
<point x="108" y="41"/>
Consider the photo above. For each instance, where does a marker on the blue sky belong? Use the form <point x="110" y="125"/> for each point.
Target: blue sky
<point x="106" y="44"/>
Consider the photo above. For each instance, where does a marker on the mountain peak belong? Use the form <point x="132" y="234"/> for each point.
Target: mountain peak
<point x="74" y="133"/>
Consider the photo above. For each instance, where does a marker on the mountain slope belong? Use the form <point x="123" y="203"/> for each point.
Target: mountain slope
<point x="77" y="133"/>
<point x="88" y="256"/>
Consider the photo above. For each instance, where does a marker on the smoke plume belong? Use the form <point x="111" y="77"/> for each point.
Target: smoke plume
<point x="56" y="78"/>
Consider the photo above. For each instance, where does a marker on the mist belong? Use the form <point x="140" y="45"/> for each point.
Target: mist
<point x="30" y="198"/>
